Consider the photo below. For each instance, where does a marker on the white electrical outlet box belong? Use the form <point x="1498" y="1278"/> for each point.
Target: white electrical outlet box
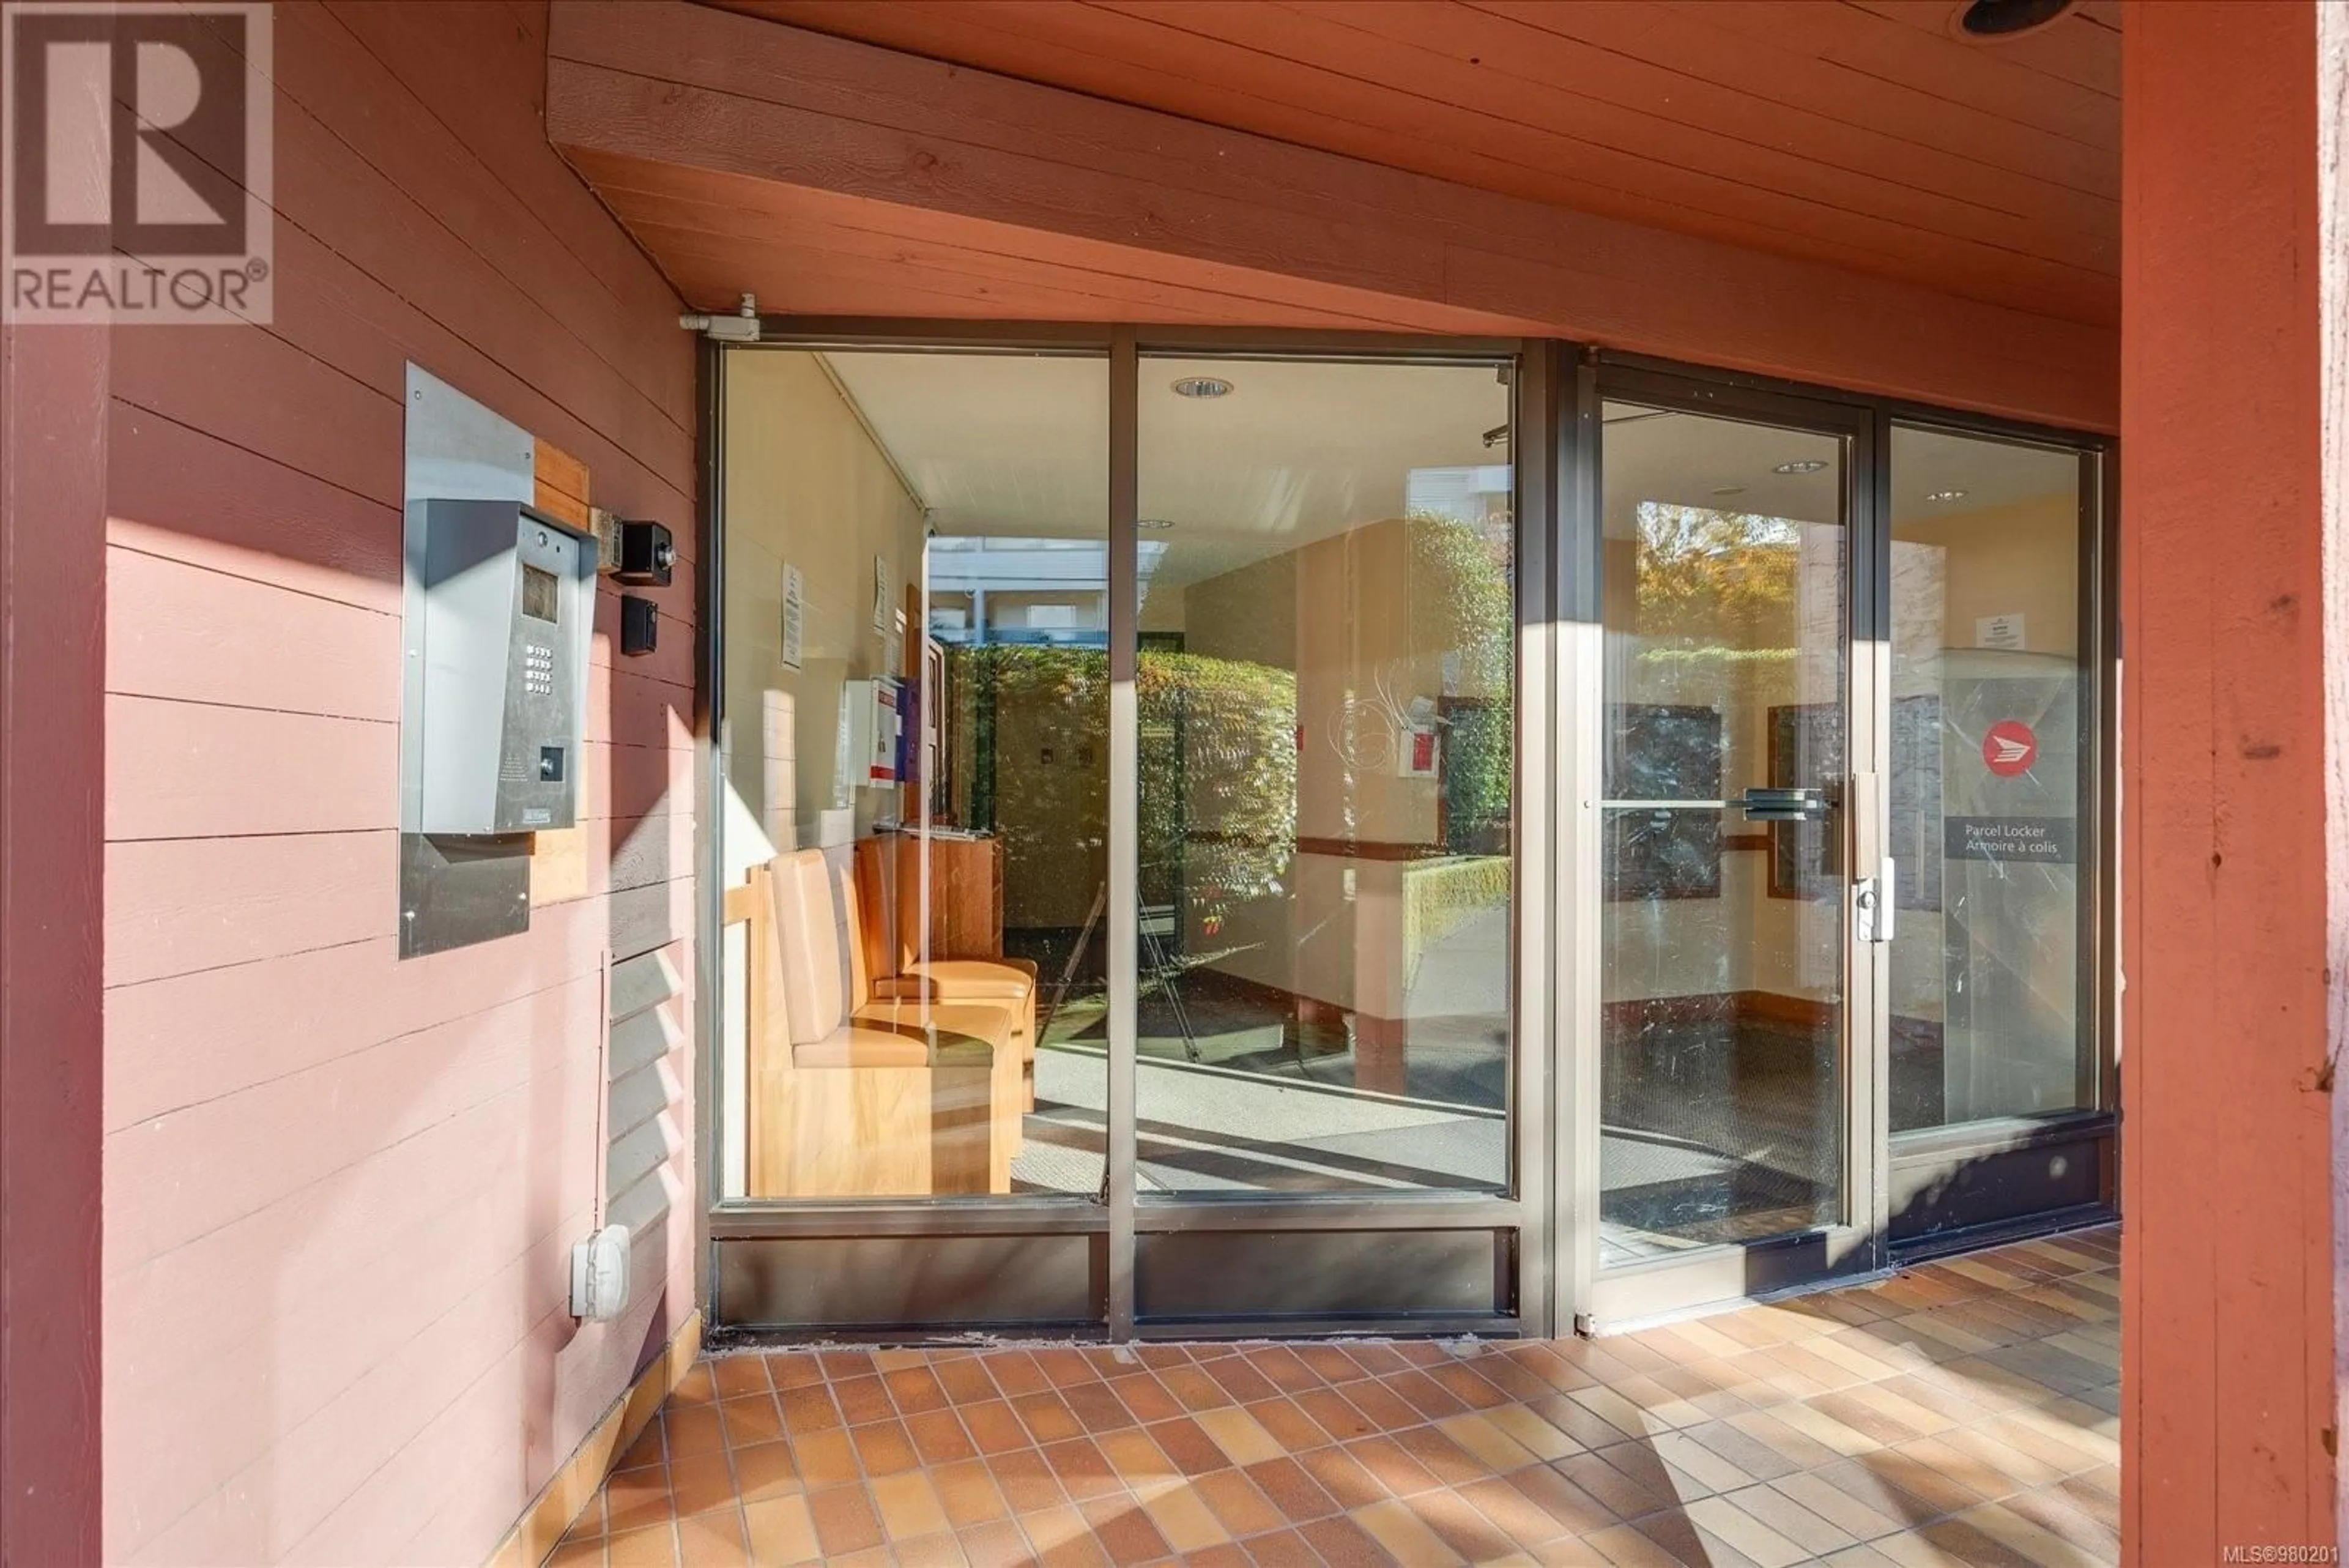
<point x="599" y="1275"/>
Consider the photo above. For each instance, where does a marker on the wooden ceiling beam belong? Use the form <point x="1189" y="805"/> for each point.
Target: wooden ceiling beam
<point x="1016" y="169"/>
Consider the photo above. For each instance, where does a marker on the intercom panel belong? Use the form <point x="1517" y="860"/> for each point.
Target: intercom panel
<point x="507" y="597"/>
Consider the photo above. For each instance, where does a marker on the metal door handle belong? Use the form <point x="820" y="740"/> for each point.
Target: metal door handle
<point x="1761" y="804"/>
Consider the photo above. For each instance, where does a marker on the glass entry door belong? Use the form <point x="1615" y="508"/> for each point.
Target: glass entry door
<point x="1735" y="995"/>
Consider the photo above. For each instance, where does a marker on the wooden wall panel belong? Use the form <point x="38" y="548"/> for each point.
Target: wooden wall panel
<point x="342" y="1187"/>
<point x="2229" y="1401"/>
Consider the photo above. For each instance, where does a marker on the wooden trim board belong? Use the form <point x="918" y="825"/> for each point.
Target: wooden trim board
<point x="541" y="1527"/>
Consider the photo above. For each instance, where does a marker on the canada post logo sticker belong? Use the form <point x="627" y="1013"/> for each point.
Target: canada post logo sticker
<point x="135" y="164"/>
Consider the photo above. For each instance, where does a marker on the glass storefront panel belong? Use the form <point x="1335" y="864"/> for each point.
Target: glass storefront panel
<point x="1326" y="679"/>
<point x="916" y="760"/>
<point x="1724" y="570"/>
<point x="1987" y="817"/>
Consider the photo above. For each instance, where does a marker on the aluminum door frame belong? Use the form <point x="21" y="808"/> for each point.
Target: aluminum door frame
<point x="1604" y="1299"/>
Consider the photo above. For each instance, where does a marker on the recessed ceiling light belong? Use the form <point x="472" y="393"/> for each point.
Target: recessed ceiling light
<point x="2005" y="18"/>
<point x="1946" y="495"/>
<point x="1154" y="522"/>
<point x="1202" y="387"/>
<point x="1801" y="465"/>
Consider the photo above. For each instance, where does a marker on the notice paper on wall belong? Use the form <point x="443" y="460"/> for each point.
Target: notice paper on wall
<point x="1999" y="631"/>
<point x="882" y="596"/>
<point x="795" y="615"/>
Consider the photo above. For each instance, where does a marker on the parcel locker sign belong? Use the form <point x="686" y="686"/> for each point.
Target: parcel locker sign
<point x="2024" y="840"/>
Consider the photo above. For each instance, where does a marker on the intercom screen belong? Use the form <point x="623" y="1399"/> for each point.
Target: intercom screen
<point x="538" y="594"/>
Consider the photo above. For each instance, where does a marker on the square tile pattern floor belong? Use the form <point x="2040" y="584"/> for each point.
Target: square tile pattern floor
<point x="1964" y="1411"/>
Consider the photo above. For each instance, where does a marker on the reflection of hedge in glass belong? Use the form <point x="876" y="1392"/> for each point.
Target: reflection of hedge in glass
<point x="1461" y="594"/>
<point x="1221" y="805"/>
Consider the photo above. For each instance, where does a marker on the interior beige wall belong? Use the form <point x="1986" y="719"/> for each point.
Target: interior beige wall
<point x="1340" y="613"/>
<point x="805" y="484"/>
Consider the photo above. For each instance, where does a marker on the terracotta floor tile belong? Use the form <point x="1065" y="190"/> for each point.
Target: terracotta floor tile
<point x="692" y="1429"/>
<point x="995" y="1426"/>
<point x="1230" y="1555"/>
<point x="1403" y="1535"/>
<point x="1243" y="1439"/>
<point x="1138" y="1460"/>
<point x="808" y="1408"/>
<point x="839" y="1364"/>
<point x="646" y="1449"/>
<point x="908" y="1505"/>
<point x="1081" y="1468"/>
<point x="884" y="1448"/>
<point x="1238" y="1503"/>
<point x="751" y="1418"/>
<point x="1194" y="1388"/>
<point x="916" y="1389"/>
<point x="1241" y="1380"/>
<point x="698" y="1482"/>
<point x="737" y="1374"/>
<point x="1063" y="1366"/>
<point x="825" y="1458"/>
<point x="712" y="1540"/>
<point x="1047" y="1418"/>
<point x="1961" y="1414"/>
<point x="1342" y="1476"/>
<point x="1342" y="1543"/>
<point x="794" y="1370"/>
<point x="939" y="1436"/>
<point x="1576" y="1511"/>
<point x="844" y="1519"/>
<point x="1289" y="1489"/>
<point x="1183" y="1518"/>
<point x="765" y="1471"/>
<point x="1291" y="1427"/>
<point x="1063" y="1539"/>
<point x="1334" y="1414"/>
<point x="1516" y="1515"/>
<point x="929" y="1552"/>
<point x="1145" y="1397"/>
<point x="1015" y="1373"/>
<point x="968" y="1493"/>
<point x="997" y="1545"/>
<point x="654" y="1546"/>
<point x="1125" y="1531"/>
<point x="580" y="1552"/>
<point x="1330" y="1363"/>
<point x="1026" y="1481"/>
<point x="1386" y="1410"/>
<point x="1187" y="1444"/>
<point x="965" y="1380"/>
<point x="636" y="1498"/>
<point x="1391" y="1465"/>
<point x="1097" y="1407"/>
<point x="1285" y="1369"/>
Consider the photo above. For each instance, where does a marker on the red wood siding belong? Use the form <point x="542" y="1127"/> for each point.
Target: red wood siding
<point x="340" y="1189"/>
<point x="52" y="454"/>
<point x="2229" y="1274"/>
<point x="834" y="177"/>
<point x="1864" y="136"/>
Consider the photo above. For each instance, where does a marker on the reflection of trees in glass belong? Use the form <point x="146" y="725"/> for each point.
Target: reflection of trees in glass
<point x="1709" y="580"/>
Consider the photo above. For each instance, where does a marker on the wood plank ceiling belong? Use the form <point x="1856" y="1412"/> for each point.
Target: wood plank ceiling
<point x="1869" y="134"/>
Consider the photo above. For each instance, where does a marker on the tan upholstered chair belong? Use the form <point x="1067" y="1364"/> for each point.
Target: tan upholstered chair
<point x="888" y="1098"/>
<point x="892" y="945"/>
